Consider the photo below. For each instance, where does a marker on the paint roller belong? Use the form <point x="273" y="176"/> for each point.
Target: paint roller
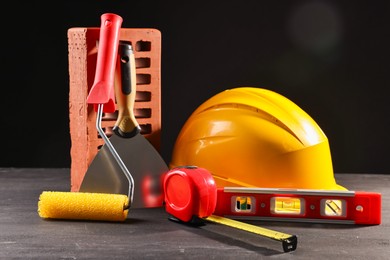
<point x="83" y="205"/>
<point x="92" y="205"/>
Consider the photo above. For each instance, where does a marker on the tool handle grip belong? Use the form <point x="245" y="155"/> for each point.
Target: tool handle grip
<point x="102" y="91"/>
<point x="126" y="125"/>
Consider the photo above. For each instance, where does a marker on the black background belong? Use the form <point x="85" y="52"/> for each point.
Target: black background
<point x="329" y="57"/>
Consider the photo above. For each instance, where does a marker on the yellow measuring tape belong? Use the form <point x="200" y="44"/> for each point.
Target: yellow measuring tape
<point x="289" y="242"/>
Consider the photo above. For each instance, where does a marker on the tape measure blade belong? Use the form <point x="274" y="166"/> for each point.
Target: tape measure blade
<point x="289" y="241"/>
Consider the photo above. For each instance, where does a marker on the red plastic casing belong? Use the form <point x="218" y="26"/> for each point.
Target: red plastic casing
<point x="359" y="207"/>
<point x="102" y="90"/>
<point x="189" y="191"/>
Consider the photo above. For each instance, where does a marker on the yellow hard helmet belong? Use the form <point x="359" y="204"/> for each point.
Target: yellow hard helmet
<point x="254" y="137"/>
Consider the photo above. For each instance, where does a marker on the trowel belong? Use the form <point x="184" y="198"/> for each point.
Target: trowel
<point x="127" y="163"/>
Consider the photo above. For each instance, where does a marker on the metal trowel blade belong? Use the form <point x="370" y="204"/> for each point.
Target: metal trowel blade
<point x="144" y="164"/>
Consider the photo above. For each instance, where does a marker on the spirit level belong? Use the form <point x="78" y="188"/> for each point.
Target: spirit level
<point x="299" y="205"/>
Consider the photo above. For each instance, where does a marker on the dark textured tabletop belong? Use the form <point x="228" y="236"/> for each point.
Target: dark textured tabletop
<point x="149" y="234"/>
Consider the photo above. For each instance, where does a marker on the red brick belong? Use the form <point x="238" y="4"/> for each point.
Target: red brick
<point x="82" y="51"/>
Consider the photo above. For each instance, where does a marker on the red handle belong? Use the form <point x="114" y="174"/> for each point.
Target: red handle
<point x="102" y="91"/>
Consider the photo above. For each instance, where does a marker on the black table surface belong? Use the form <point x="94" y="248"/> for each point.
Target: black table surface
<point x="149" y="234"/>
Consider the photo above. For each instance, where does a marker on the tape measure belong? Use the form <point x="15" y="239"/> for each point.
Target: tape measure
<point x="289" y="242"/>
<point x="191" y="195"/>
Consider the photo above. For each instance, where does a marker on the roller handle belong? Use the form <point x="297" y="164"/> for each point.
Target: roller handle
<point x="102" y="90"/>
<point x="126" y="125"/>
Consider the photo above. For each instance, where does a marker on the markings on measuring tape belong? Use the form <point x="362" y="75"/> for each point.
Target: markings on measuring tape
<point x="289" y="242"/>
<point x="300" y="205"/>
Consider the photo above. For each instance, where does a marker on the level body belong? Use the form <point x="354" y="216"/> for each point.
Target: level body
<point x="299" y="205"/>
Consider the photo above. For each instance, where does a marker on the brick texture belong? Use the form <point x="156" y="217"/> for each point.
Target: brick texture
<point x="82" y="51"/>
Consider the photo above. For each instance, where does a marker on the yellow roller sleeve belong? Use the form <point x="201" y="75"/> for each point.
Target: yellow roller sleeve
<point x="83" y="205"/>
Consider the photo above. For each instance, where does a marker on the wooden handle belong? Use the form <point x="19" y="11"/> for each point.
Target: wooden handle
<point x="126" y="125"/>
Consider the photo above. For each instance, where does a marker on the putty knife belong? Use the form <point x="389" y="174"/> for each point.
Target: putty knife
<point x="144" y="163"/>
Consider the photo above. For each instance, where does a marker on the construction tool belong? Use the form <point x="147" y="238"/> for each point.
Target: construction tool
<point x="135" y="151"/>
<point x="299" y="205"/>
<point x="89" y="205"/>
<point x="289" y="242"/>
<point x="191" y="197"/>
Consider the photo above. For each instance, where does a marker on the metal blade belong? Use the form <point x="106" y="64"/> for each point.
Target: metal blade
<point x="143" y="162"/>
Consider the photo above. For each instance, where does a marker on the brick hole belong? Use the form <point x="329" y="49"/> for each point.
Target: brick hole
<point x="143" y="79"/>
<point x="143" y="96"/>
<point x="143" y="46"/>
<point x="126" y="42"/>
<point x="110" y="116"/>
<point x="143" y="113"/>
<point x="146" y="128"/>
<point x="142" y="63"/>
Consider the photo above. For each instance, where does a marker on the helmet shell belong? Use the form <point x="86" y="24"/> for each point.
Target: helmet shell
<point x="254" y="137"/>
